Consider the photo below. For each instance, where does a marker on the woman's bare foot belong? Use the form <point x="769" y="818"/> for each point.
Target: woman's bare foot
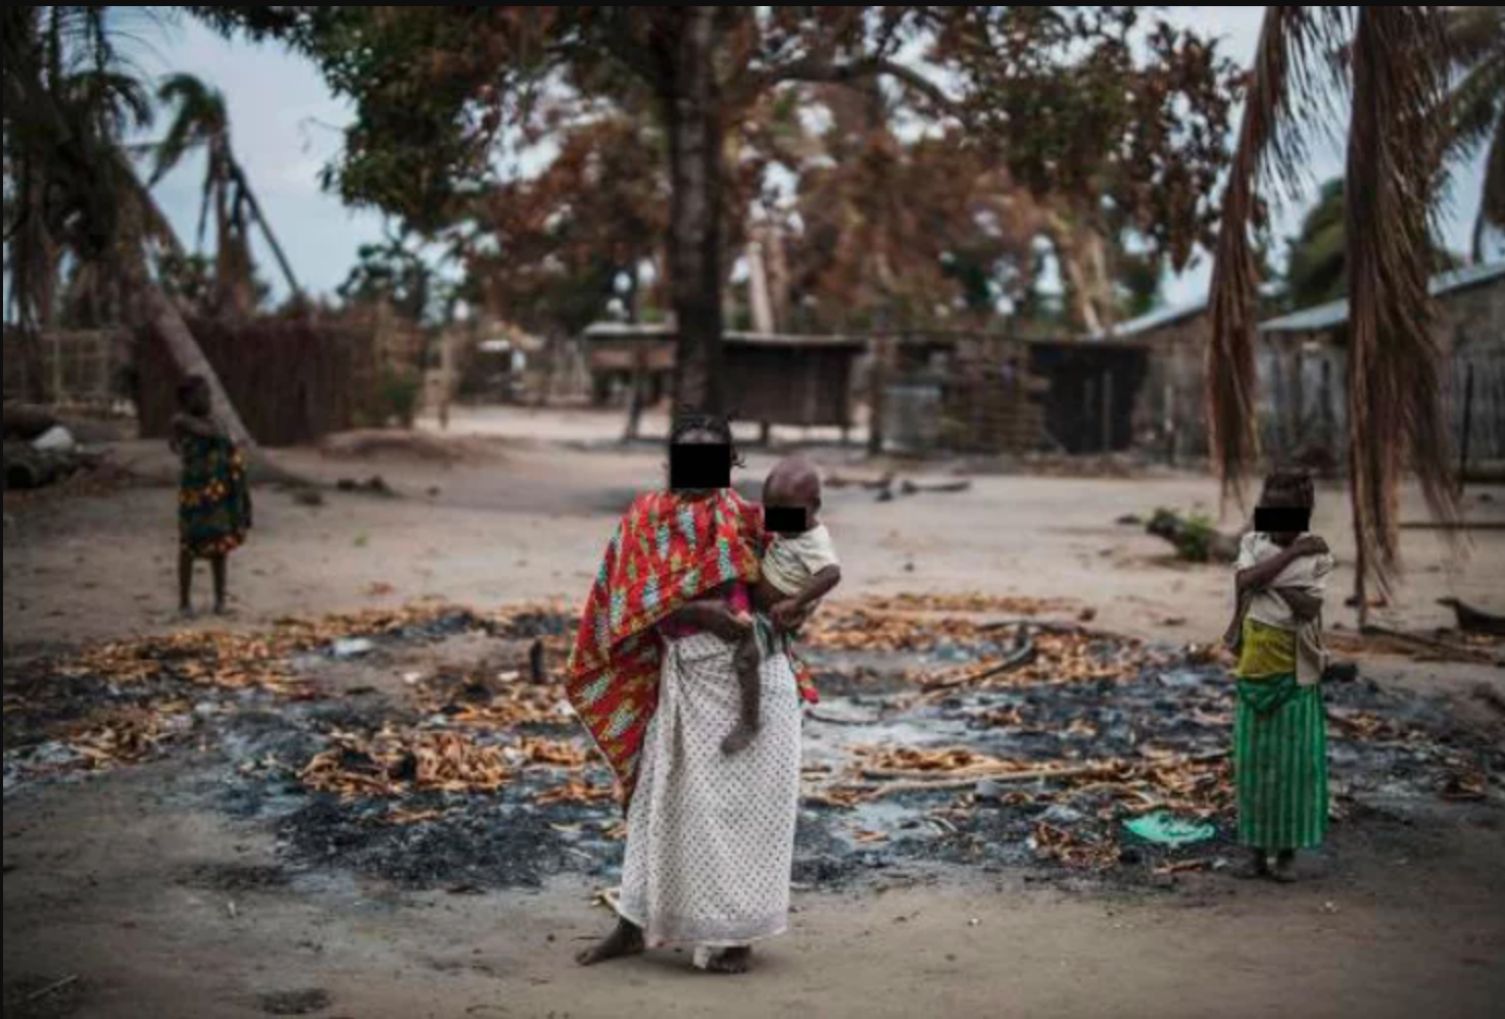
<point x="626" y="939"/>
<point x="1284" y="870"/>
<point x="730" y="960"/>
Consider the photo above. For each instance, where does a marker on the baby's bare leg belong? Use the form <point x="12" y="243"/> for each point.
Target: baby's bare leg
<point x="746" y="661"/>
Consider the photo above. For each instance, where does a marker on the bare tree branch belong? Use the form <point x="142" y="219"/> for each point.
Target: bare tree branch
<point x="822" y="70"/>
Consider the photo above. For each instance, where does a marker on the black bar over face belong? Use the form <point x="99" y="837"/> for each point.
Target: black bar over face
<point x="699" y="466"/>
<point x="1282" y="519"/>
<point x="786" y="519"/>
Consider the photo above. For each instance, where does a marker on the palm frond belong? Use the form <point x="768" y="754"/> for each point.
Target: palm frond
<point x="1395" y="407"/>
<point x="1289" y="85"/>
<point x="1473" y="33"/>
<point x="1475" y="105"/>
<point x="1492" y="203"/>
<point x="199" y="115"/>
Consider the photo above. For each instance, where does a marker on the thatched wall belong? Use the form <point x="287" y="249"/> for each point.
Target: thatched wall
<point x="292" y="380"/>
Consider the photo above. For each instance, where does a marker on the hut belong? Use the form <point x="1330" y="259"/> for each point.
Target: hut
<point x="1303" y="367"/>
<point x="1169" y="414"/>
<point x="616" y="352"/>
<point x="1091" y="391"/>
<point x="780" y="378"/>
<point x="983" y="392"/>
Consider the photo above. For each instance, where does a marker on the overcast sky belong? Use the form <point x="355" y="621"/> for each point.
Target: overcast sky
<point x="286" y="125"/>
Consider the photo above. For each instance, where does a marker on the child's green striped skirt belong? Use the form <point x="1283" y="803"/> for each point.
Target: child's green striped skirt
<point x="1280" y="763"/>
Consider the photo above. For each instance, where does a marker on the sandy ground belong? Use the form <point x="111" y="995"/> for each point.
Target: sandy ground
<point x="94" y="884"/>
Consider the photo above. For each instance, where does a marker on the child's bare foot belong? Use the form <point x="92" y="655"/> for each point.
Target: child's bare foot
<point x="625" y="939"/>
<point x="730" y="960"/>
<point x="1284" y="870"/>
<point x="738" y="739"/>
<point x="1259" y="865"/>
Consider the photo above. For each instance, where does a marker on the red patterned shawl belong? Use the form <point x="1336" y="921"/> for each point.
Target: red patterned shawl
<point x="668" y="550"/>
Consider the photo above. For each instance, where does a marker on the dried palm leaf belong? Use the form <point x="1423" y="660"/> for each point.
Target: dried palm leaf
<point x="1288" y="87"/>
<point x="1394" y="390"/>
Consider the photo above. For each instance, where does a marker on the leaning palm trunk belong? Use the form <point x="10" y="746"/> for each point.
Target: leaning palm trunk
<point x="161" y="316"/>
<point x="1397" y="63"/>
<point x="266" y="231"/>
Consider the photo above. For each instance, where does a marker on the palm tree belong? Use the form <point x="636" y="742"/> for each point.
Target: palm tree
<point x="201" y="121"/>
<point x="73" y="189"/>
<point x="1392" y="64"/>
<point x="1315" y="266"/>
<point x="1476" y="41"/>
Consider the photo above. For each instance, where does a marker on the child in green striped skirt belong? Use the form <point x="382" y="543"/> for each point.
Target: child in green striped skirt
<point x="1280" y="732"/>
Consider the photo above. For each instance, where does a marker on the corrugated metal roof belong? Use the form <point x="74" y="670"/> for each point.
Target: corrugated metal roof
<point x="659" y="331"/>
<point x="1154" y="320"/>
<point x="1335" y="313"/>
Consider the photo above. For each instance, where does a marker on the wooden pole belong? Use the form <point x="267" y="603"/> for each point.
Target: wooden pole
<point x="1468" y="420"/>
<point x="878" y="383"/>
<point x="1170" y="422"/>
<point x="1107" y="411"/>
<point x="636" y="397"/>
<point x="446" y="375"/>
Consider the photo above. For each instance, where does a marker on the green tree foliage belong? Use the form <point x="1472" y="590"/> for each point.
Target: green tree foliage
<point x="437" y="90"/>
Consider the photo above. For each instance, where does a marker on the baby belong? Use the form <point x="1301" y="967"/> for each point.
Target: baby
<point x="799" y="567"/>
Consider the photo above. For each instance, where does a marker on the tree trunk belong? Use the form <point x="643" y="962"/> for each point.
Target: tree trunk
<point x="757" y="289"/>
<point x="695" y="139"/>
<point x="1081" y="252"/>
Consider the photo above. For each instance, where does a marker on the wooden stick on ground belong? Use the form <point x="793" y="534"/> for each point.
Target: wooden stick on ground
<point x="56" y="985"/>
<point x="1023" y="654"/>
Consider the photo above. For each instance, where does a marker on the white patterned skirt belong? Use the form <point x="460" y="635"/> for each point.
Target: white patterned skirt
<point x="710" y="837"/>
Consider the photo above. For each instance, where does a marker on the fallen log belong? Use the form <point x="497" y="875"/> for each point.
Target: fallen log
<point x="24" y="422"/>
<point x="907" y="487"/>
<point x="1474" y="620"/>
<point x="1455" y="652"/>
<point x="1454" y="525"/>
<point x="841" y="481"/>
<point x="1489" y="695"/>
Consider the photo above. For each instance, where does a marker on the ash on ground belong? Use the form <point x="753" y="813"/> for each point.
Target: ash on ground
<point x="946" y="739"/>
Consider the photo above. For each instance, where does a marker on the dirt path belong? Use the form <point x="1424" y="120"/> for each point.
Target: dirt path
<point x="157" y="905"/>
<point x="161" y="911"/>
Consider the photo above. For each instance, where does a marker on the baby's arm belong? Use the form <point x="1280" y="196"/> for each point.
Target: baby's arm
<point x="788" y="611"/>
